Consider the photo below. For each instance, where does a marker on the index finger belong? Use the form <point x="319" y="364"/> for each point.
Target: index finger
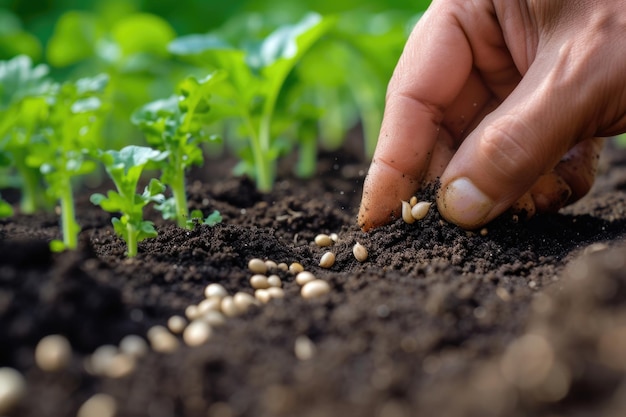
<point x="434" y="67"/>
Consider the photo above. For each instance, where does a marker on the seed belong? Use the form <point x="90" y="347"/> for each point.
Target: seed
<point x="12" y="389"/>
<point x="323" y="240"/>
<point x="274" y="281"/>
<point x="413" y="201"/>
<point x="209" y="304"/>
<point x="271" y="264"/>
<point x="315" y="288"/>
<point x="192" y="312"/>
<point x="215" y="290"/>
<point x="259" y="281"/>
<point x="120" y="366"/>
<point x="263" y="296"/>
<point x="283" y="267"/>
<point x="99" y="405"/>
<point x="327" y="260"/>
<point x="484" y="231"/>
<point x="243" y="301"/>
<point x="295" y="268"/>
<point x="214" y="318"/>
<point x="257" y="266"/>
<point x="133" y="345"/>
<point x="228" y="307"/>
<point x="197" y="333"/>
<point x="162" y="340"/>
<point x="176" y="324"/>
<point x="304" y="348"/>
<point x="420" y="210"/>
<point x="101" y="359"/>
<point x="360" y="252"/>
<point x="276" y="292"/>
<point x="406" y="213"/>
<point x="53" y="353"/>
<point x="334" y="237"/>
<point x="304" y="277"/>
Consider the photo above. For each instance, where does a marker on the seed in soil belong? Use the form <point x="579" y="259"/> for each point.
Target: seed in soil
<point x="296" y="268"/>
<point x="323" y="240"/>
<point x="197" y="333"/>
<point x="162" y="340"/>
<point x="334" y="237"/>
<point x="176" y="324"/>
<point x="120" y="366"/>
<point x="304" y="277"/>
<point x="259" y="281"/>
<point x="100" y="360"/>
<point x="271" y="264"/>
<point x="274" y="281"/>
<point x="420" y="210"/>
<point x="263" y="296"/>
<point x="53" y="353"/>
<point x="209" y="304"/>
<point x="133" y="345"/>
<point x="99" y="405"/>
<point x="327" y="260"/>
<point x="228" y="307"/>
<point x="304" y="348"/>
<point x="215" y="290"/>
<point x="257" y="266"/>
<point x="413" y="201"/>
<point x="243" y="301"/>
<point x="360" y="252"/>
<point x="283" y="266"/>
<point x="192" y="312"/>
<point x="406" y="213"/>
<point x="214" y="318"/>
<point x="12" y="389"/>
<point x="315" y="288"/>
<point x="484" y="231"/>
<point x="276" y="292"/>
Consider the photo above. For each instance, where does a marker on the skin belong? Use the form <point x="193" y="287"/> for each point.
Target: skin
<point x="506" y="102"/>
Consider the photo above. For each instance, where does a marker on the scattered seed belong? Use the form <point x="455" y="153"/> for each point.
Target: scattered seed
<point x="243" y="301"/>
<point x="271" y="264"/>
<point x="283" y="266"/>
<point x="296" y="268"/>
<point x="413" y="201"/>
<point x="120" y="366"/>
<point x="259" y="281"/>
<point x="334" y="237"/>
<point x="257" y="266"/>
<point x="197" y="333"/>
<point x="484" y="231"/>
<point x="263" y="296"/>
<point x="360" y="252"/>
<point x="406" y="213"/>
<point x="215" y="290"/>
<point x="53" y="353"/>
<point x="420" y="210"/>
<point x="274" y="281"/>
<point x="305" y="276"/>
<point x="214" y="318"/>
<point x="276" y="292"/>
<point x="315" y="288"/>
<point x="99" y="405"/>
<point x="323" y="240"/>
<point x="209" y="304"/>
<point x="101" y="359"/>
<point x="12" y="389"/>
<point x="162" y="340"/>
<point x="327" y="260"/>
<point x="133" y="345"/>
<point x="176" y="324"/>
<point x="228" y="307"/>
<point x="304" y="348"/>
<point x="192" y="312"/>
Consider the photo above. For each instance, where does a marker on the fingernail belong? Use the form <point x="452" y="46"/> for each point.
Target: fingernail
<point x="464" y="204"/>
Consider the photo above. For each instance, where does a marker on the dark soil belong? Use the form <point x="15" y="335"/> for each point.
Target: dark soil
<point x="527" y="320"/>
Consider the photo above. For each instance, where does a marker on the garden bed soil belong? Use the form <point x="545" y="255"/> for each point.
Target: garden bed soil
<point x="528" y="319"/>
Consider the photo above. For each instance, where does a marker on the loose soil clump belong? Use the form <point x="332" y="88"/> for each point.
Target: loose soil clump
<point x="524" y="318"/>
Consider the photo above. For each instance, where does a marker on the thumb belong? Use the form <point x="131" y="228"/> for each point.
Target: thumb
<point x="513" y="146"/>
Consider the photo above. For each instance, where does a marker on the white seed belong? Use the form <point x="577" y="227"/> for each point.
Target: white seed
<point x="296" y="268"/>
<point x="197" y="333"/>
<point x="315" y="288"/>
<point x="259" y="281"/>
<point x="228" y="307"/>
<point x="120" y="366"/>
<point x="406" y="213"/>
<point x="304" y="348"/>
<point x="192" y="312"/>
<point x="304" y="277"/>
<point x="133" y="345"/>
<point x="263" y="296"/>
<point x="360" y="252"/>
<point x="215" y="290"/>
<point x="420" y="210"/>
<point x="176" y="324"/>
<point x="257" y="266"/>
<point x="271" y="264"/>
<point x="161" y="340"/>
<point x="276" y="292"/>
<point x="327" y="260"/>
<point x="413" y="201"/>
<point x="283" y="266"/>
<point x="274" y="281"/>
<point x="12" y="389"/>
<point x="209" y="304"/>
<point x="323" y="240"/>
<point x="99" y="405"/>
<point x="214" y="318"/>
<point x="334" y="237"/>
<point x="243" y="301"/>
<point x="101" y="359"/>
<point x="53" y="353"/>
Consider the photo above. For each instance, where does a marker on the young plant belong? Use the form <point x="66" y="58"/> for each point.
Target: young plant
<point x="256" y="76"/>
<point x="175" y="125"/>
<point x="125" y="168"/>
<point x="69" y="132"/>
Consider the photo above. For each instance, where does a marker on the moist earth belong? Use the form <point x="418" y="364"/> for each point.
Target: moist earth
<point x="523" y="318"/>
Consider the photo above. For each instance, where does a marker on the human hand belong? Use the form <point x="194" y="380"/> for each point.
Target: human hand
<point x="504" y="101"/>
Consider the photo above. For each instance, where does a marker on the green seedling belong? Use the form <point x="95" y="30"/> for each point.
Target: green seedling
<point x="256" y="77"/>
<point x="125" y="168"/>
<point x="175" y="125"/>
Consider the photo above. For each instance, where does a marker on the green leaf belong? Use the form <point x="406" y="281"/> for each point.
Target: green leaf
<point x="19" y="79"/>
<point x="143" y="33"/>
<point x="214" y="218"/>
<point x="74" y="38"/>
<point x="57" y="246"/>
